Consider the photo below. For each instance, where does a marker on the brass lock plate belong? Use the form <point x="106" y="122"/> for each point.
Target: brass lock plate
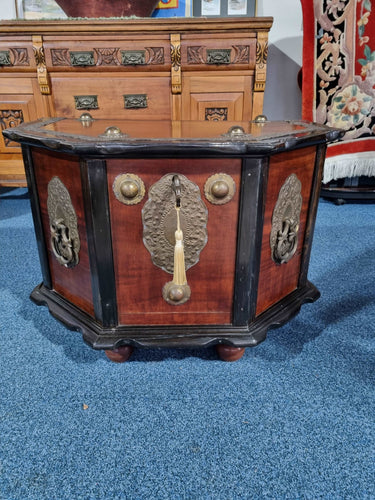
<point x="159" y="222"/>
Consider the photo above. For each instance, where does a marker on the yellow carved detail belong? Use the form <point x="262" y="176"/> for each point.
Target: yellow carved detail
<point x="40" y="60"/>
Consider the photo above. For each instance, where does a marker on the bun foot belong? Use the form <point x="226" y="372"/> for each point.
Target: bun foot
<point x="121" y="354"/>
<point x="229" y="353"/>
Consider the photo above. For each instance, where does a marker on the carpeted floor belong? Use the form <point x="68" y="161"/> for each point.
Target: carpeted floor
<point x="294" y="418"/>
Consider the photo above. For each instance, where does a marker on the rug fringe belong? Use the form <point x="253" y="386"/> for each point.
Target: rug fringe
<point x="351" y="165"/>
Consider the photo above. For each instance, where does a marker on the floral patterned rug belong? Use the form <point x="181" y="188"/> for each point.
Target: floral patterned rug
<point x="338" y="80"/>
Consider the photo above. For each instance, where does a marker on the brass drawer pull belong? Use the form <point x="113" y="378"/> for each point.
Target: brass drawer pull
<point x="5" y="58"/>
<point x="86" y="101"/>
<point x="135" y="101"/>
<point x="218" y="56"/>
<point x="133" y="57"/>
<point x="84" y="58"/>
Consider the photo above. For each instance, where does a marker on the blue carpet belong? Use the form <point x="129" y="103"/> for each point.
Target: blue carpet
<point x="293" y="419"/>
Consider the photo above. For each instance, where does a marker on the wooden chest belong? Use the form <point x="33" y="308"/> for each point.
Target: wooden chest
<point x="173" y="233"/>
<point x="134" y="69"/>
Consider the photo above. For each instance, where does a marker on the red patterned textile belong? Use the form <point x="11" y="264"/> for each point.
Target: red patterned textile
<point x="338" y="80"/>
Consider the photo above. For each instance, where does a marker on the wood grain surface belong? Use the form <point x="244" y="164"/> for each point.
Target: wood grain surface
<point x="74" y="284"/>
<point x="276" y="281"/>
<point x="139" y="282"/>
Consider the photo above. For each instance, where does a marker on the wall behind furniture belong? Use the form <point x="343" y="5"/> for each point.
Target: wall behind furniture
<point x="282" y="100"/>
<point x="282" y="97"/>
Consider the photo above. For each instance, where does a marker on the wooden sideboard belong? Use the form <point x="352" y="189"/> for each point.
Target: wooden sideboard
<point x="133" y="69"/>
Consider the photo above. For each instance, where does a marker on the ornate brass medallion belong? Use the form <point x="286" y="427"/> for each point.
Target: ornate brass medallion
<point x="170" y="215"/>
<point x="286" y="220"/>
<point x="65" y="240"/>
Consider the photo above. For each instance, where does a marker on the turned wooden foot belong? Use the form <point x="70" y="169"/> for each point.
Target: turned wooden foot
<point x="229" y="353"/>
<point x="121" y="354"/>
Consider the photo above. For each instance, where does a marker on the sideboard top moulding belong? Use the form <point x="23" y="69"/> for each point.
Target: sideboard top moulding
<point x="137" y="25"/>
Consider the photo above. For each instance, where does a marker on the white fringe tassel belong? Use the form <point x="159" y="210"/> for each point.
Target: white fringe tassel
<point x="351" y="165"/>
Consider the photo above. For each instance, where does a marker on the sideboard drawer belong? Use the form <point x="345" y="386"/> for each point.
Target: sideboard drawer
<point x="218" y="54"/>
<point x="130" y="98"/>
<point x="137" y="54"/>
<point x="16" y="55"/>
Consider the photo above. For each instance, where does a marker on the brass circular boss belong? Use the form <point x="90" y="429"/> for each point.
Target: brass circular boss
<point x="219" y="189"/>
<point x="129" y="189"/>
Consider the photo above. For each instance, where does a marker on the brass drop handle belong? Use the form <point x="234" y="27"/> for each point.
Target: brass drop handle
<point x="177" y="291"/>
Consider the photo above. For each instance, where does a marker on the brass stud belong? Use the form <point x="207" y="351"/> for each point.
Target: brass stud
<point x="112" y="132"/>
<point x="219" y="189"/>
<point x="236" y="130"/>
<point x="129" y="189"/>
<point x="86" y="119"/>
<point x="261" y="119"/>
<point x="176" y="294"/>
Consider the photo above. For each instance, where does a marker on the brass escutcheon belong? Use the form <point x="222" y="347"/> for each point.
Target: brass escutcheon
<point x="219" y="189"/>
<point x="129" y="189"/>
<point x="160" y="222"/>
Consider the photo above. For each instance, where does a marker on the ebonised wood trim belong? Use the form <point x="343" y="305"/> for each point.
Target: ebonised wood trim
<point x="312" y="211"/>
<point x="37" y="216"/>
<point x="100" y="337"/>
<point x="249" y="244"/>
<point x="99" y="240"/>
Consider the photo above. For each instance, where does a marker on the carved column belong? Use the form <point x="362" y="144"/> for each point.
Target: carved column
<point x="42" y="73"/>
<point x="176" y="77"/>
<point x="260" y="73"/>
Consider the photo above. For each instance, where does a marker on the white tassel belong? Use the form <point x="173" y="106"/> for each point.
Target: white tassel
<point x="179" y="273"/>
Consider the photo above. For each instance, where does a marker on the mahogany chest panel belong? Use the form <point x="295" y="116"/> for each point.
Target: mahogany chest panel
<point x="138" y="280"/>
<point x="275" y="280"/>
<point x="74" y="283"/>
<point x="173" y="233"/>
